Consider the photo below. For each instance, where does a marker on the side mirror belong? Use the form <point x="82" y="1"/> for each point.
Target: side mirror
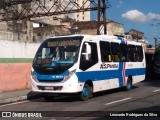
<point x="87" y="54"/>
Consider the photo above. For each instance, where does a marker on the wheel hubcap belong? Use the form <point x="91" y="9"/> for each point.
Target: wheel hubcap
<point x="85" y="92"/>
<point x="129" y="85"/>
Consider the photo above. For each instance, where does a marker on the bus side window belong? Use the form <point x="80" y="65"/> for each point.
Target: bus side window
<point x="85" y="64"/>
<point x="132" y="53"/>
<point x="105" y="51"/>
<point x="123" y="52"/>
<point x="139" y="52"/>
<point x="116" y="56"/>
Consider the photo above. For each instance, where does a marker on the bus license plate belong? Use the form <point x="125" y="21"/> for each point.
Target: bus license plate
<point x="48" y="88"/>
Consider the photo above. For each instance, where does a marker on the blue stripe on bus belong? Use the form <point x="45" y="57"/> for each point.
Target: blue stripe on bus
<point x="121" y="39"/>
<point x="102" y="75"/>
<point x="51" y="77"/>
<point x="120" y="76"/>
<point x="138" y="71"/>
<point x="109" y="74"/>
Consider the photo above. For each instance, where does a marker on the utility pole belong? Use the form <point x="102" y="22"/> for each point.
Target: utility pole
<point x="137" y="36"/>
<point x="101" y="16"/>
<point x="155" y="25"/>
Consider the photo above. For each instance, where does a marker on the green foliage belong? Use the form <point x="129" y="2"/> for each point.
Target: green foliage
<point x="158" y="47"/>
<point x="16" y="60"/>
<point x="150" y="46"/>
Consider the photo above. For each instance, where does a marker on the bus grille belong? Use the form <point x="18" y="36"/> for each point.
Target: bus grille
<point x="50" y="88"/>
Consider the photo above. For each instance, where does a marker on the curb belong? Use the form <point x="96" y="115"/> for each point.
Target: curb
<point x="29" y="96"/>
<point x="13" y="100"/>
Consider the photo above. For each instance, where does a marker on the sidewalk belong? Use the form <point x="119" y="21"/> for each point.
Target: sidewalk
<point x="17" y="96"/>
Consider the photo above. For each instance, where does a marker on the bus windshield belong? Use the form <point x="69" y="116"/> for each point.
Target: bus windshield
<point x="58" y="52"/>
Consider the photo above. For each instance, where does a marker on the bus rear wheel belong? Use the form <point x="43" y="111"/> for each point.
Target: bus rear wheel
<point x="86" y="92"/>
<point x="128" y="85"/>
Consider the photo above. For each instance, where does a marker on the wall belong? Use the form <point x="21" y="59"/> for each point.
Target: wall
<point x="150" y="50"/>
<point x="114" y="28"/>
<point x="15" y="75"/>
<point x="16" y="30"/>
<point x="90" y="27"/>
<point x="89" y="31"/>
<point x="41" y="33"/>
<point x="16" y="49"/>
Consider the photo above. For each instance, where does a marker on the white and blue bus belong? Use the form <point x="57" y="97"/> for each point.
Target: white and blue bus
<point x="85" y="64"/>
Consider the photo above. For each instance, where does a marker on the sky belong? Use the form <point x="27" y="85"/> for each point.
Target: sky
<point x="136" y="14"/>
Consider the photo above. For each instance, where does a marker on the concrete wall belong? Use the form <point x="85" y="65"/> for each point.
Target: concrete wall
<point x="14" y="76"/>
<point x="16" y="49"/>
<point x="114" y="28"/>
<point x="89" y="31"/>
<point x="41" y="33"/>
<point x="16" y="30"/>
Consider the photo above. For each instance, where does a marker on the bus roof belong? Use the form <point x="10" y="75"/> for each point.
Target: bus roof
<point x="85" y="35"/>
<point x="99" y="36"/>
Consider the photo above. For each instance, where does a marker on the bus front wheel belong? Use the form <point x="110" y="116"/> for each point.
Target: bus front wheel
<point x="86" y="92"/>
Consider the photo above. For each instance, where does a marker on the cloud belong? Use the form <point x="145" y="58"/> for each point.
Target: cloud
<point x="120" y="4"/>
<point x="135" y="15"/>
<point x="153" y="16"/>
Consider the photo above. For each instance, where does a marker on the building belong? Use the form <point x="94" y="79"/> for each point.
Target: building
<point x="23" y="30"/>
<point x="59" y="5"/>
<point x="20" y="30"/>
<point x="138" y="36"/>
<point x="150" y="50"/>
<point x="90" y="27"/>
<point x="46" y="31"/>
<point x="83" y="16"/>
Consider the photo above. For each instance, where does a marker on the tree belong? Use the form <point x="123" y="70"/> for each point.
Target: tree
<point x="150" y="46"/>
<point x="158" y="47"/>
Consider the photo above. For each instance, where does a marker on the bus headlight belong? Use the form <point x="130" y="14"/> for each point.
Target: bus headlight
<point x="34" y="77"/>
<point x="66" y="77"/>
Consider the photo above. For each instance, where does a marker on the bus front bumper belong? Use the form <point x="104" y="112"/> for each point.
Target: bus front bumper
<point x="70" y="86"/>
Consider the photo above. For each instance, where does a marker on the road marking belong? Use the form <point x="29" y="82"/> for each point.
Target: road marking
<point x="118" y="101"/>
<point x="13" y="103"/>
<point x="156" y="90"/>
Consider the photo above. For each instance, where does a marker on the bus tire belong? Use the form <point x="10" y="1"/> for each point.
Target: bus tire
<point x="48" y="98"/>
<point x="91" y="92"/>
<point x="86" y="93"/>
<point x="128" y="85"/>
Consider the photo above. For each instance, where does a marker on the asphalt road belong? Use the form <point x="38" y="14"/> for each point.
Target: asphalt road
<point x="144" y="96"/>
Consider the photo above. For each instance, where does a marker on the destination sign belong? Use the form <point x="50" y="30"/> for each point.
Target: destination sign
<point x="44" y="61"/>
<point x="63" y="43"/>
